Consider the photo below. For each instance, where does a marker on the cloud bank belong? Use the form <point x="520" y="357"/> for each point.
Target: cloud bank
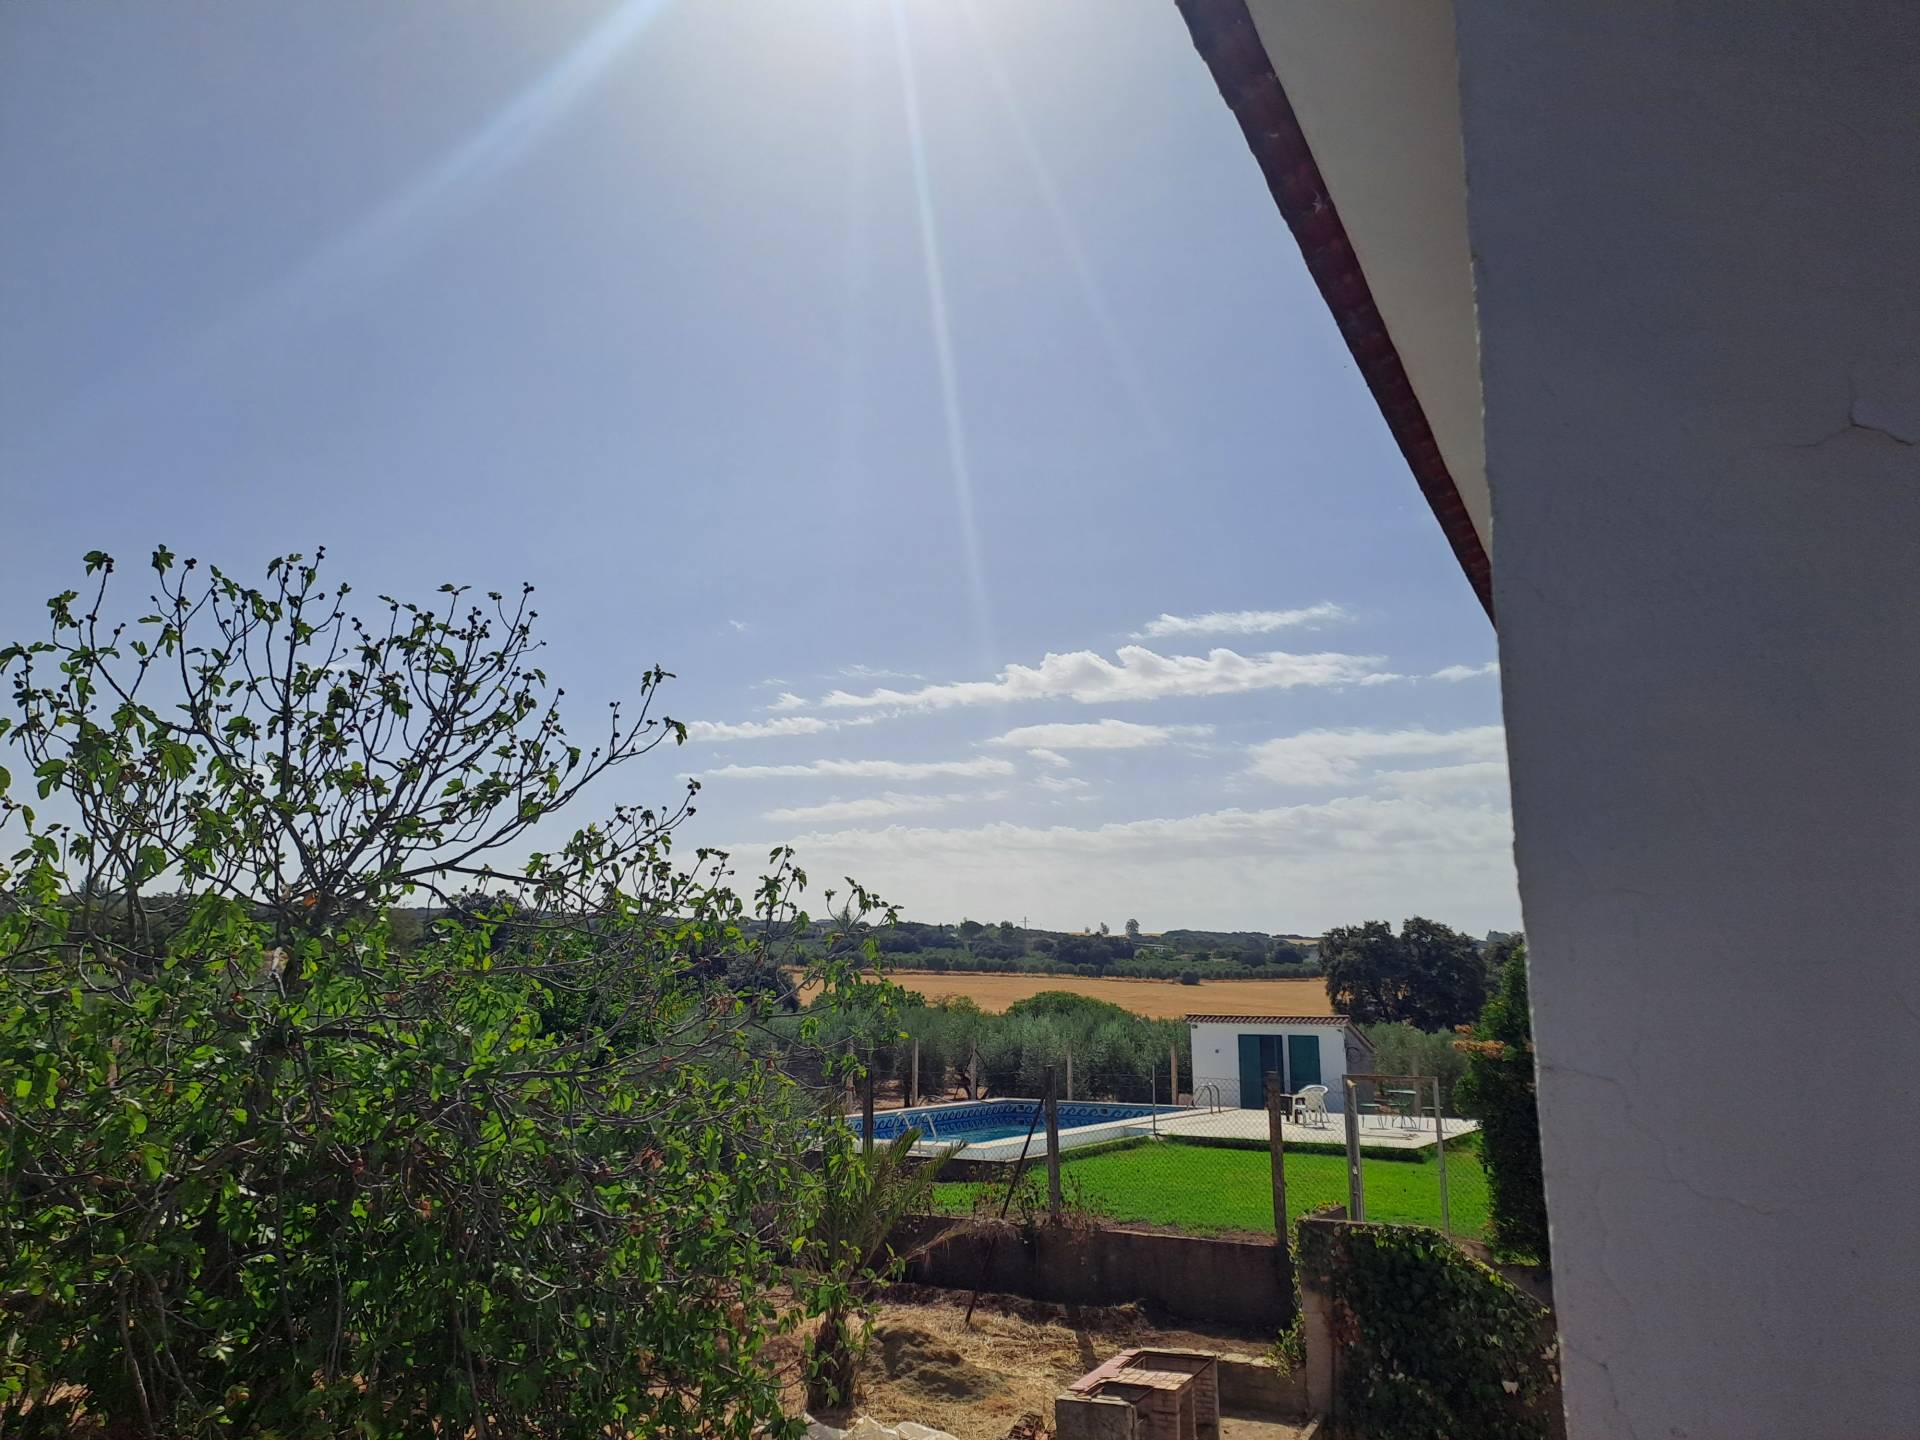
<point x="1136" y="673"/>
<point x="1097" y="735"/>
<point x="1336" y="757"/>
<point x="1241" y="622"/>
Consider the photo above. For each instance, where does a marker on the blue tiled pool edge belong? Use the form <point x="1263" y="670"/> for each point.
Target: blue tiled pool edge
<point x="1082" y="1122"/>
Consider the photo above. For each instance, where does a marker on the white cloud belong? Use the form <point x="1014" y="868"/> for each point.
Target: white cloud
<point x="1059" y="784"/>
<point x="1333" y="757"/>
<point x="1048" y="757"/>
<point x="876" y="672"/>
<point x="1466" y="672"/>
<point x="1138" y="674"/>
<point x="1297" y="867"/>
<point x="1099" y="735"/>
<point x="863" y="769"/>
<point x="1242" y="622"/>
<point x="890" y="802"/>
<point x="1473" y="775"/>
<point x="720" y="731"/>
<point x="787" y="700"/>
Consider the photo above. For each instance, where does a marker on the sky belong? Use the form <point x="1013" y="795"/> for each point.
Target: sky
<point x="934" y="388"/>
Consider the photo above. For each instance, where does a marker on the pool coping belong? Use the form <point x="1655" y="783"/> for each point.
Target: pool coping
<point x="1007" y="1149"/>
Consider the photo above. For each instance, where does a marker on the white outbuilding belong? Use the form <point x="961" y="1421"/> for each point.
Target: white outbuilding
<point x="1234" y="1053"/>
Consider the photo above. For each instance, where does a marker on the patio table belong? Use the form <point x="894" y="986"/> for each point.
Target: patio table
<point x="1405" y="1102"/>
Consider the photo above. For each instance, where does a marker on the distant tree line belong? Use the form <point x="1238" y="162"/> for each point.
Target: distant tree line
<point x="1117" y="1055"/>
<point x="1006" y="949"/>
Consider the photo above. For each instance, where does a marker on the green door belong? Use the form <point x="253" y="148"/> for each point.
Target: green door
<point x="1261" y="1056"/>
<point x="1303" y="1062"/>
<point x="1250" y="1089"/>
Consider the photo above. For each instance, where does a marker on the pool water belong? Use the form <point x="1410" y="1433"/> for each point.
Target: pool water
<point x="999" y="1119"/>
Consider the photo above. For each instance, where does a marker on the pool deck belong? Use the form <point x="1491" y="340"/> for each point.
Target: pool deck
<point x="1376" y="1133"/>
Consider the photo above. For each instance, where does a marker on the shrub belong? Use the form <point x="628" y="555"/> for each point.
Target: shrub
<point x="1434" y="1345"/>
<point x="266" y="1172"/>
<point x="1498" y="1088"/>
<point x="1189" y="977"/>
<point x="1399" y="1049"/>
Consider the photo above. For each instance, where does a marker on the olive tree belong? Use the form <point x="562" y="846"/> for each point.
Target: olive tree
<point x="532" y="1172"/>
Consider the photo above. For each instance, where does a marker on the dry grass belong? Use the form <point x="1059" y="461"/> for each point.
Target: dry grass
<point x="1154" y="999"/>
<point x="924" y="1363"/>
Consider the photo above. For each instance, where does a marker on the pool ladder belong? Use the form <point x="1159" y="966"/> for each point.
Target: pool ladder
<point x="1212" y="1091"/>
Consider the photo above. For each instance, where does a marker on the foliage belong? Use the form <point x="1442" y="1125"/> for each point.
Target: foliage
<point x="1429" y="975"/>
<point x="266" y="1171"/>
<point x="1117" y="1055"/>
<point x="1433" y="1344"/>
<point x="1399" y="1049"/>
<point x="1006" y="949"/>
<point x="1210" y="1190"/>
<point x="1498" y="1087"/>
<point x="864" y="1197"/>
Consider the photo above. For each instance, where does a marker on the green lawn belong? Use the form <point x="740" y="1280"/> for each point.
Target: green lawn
<point x="1206" y="1189"/>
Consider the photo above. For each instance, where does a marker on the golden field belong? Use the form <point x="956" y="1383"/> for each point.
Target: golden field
<point x="1154" y="999"/>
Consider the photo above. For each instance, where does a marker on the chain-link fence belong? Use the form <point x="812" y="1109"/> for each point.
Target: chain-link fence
<point x="1108" y="1144"/>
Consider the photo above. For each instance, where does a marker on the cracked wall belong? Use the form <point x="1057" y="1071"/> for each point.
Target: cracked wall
<point x="1697" y="247"/>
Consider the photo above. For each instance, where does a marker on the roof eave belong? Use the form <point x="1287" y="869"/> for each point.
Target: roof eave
<point x="1223" y="32"/>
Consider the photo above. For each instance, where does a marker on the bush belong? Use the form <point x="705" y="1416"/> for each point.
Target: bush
<point x="1498" y="1088"/>
<point x="1189" y="977"/>
<point x="1436" y="1345"/>
<point x="266" y="1171"/>
<point x="1399" y="1049"/>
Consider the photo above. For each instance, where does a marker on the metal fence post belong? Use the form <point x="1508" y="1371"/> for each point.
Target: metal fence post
<point x="1053" y="1147"/>
<point x="1356" y="1191"/>
<point x="1069" y="1072"/>
<point x="913" y="1088"/>
<point x="1275" y="1141"/>
<point x="973" y="1071"/>
<point x="866" y="1109"/>
<point x="1153" y="1100"/>
<point x="1173" y="1074"/>
<point x="1440" y="1135"/>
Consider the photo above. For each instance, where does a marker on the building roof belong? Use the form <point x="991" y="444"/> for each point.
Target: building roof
<point x="1336" y="1020"/>
<point x="1228" y="40"/>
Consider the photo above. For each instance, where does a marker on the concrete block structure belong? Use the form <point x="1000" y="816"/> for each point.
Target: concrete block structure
<point x="1144" y="1395"/>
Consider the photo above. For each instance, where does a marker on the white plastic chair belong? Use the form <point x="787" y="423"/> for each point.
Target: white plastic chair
<point x="1310" y="1105"/>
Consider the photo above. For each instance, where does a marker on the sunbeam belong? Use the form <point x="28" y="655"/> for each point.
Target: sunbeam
<point x="1119" y="354"/>
<point x="408" y="218"/>
<point x="943" y="342"/>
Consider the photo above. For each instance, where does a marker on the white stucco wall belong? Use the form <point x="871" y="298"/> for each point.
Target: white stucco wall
<point x="1697" y="239"/>
<point x="1216" y="1057"/>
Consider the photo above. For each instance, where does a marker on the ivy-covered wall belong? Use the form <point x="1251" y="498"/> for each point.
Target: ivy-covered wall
<point x="1429" y="1344"/>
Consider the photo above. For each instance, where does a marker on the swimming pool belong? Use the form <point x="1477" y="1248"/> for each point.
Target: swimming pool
<point x="997" y="1129"/>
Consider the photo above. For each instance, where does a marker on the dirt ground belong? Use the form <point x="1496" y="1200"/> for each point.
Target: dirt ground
<point x="924" y="1363"/>
<point x="1154" y="999"/>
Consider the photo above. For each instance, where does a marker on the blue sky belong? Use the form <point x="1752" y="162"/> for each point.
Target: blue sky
<point x="903" y="377"/>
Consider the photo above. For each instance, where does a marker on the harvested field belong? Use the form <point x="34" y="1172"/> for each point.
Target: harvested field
<point x="1154" y="999"/>
<point x="924" y="1363"/>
